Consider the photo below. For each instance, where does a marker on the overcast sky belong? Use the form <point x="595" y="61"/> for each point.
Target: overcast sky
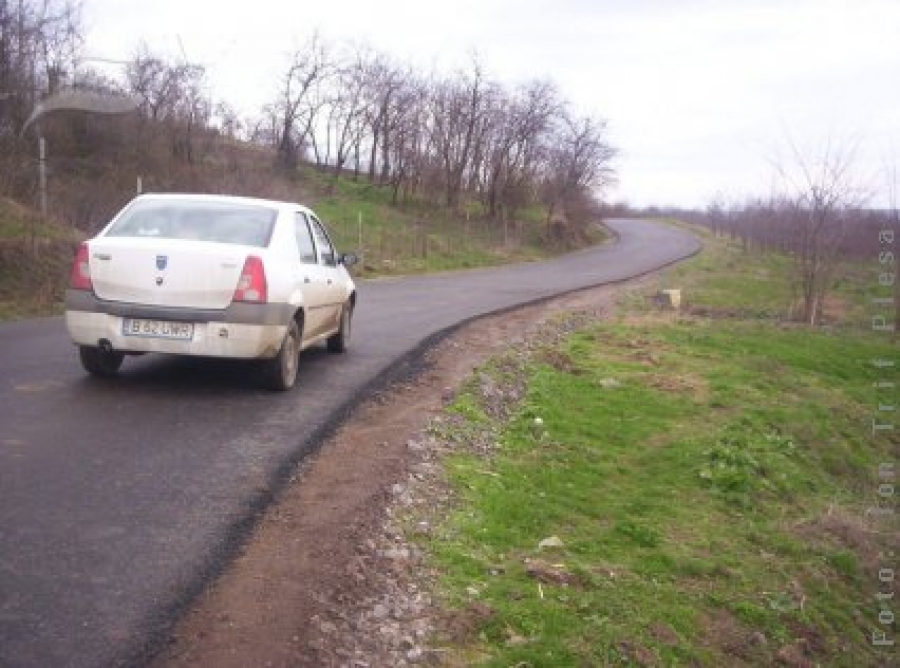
<point x="699" y="96"/>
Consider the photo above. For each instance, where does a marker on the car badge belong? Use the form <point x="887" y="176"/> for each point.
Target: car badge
<point x="162" y="261"/>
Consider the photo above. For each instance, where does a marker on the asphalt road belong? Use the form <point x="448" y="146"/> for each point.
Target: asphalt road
<point x="120" y="499"/>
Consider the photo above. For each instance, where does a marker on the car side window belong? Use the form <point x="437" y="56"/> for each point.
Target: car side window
<point x="326" y="249"/>
<point x="305" y="247"/>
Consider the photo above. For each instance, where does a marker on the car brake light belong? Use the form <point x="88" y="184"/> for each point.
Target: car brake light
<point x="252" y="285"/>
<point x="80" y="276"/>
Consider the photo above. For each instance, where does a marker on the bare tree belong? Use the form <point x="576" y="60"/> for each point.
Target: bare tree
<point x="39" y="45"/>
<point x="820" y="194"/>
<point x="404" y="155"/>
<point x="457" y="110"/>
<point x="346" y="121"/>
<point x="519" y="125"/>
<point x="299" y="100"/>
<point x="60" y="40"/>
<point x="384" y="86"/>
<point x="580" y="159"/>
<point x="228" y="121"/>
<point x="154" y="83"/>
<point x="173" y="97"/>
<point x="192" y="113"/>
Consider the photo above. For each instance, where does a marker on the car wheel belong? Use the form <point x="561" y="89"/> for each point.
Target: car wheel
<point x="280" y="372"/>
<point x="339" y="342"/>
<point x="99" y="362"/>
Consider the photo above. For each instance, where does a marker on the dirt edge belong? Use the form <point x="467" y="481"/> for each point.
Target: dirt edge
<point x="314" y="581"/>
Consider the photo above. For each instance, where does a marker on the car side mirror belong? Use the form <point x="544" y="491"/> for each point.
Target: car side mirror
<point x="348" y="259"/>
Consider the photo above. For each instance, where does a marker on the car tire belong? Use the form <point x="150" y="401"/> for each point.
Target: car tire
<point x="339" y="342"/>
<point x="99" y="362"/>
<point x="280" y="372"/>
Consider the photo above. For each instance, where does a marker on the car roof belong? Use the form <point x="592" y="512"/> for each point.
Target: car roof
<point x="223" y="199"/>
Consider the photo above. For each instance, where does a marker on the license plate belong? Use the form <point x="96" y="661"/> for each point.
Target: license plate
<point x="158" y="329"/>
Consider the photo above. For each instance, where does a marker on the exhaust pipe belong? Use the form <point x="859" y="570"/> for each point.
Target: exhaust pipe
<point x="106" y="346"/>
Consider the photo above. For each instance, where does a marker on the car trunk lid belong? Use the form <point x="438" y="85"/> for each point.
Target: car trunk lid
<point x="163" y="272"/>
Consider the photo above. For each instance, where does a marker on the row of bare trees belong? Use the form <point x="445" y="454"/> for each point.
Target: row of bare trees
<point x="448" y="138"/>
<point x="173" y="98"/>
<point x="94" y="162"/>
<point x="455" y="139"/>
<point x="818" y="217"/>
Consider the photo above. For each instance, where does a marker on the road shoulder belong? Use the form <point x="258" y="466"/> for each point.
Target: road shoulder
<point x="326" y="578"/>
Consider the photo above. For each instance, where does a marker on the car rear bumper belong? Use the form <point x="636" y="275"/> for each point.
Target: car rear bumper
<point x="243" y="331"/>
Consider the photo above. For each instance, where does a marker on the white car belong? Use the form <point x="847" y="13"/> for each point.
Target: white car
<point x="210" y="276"/>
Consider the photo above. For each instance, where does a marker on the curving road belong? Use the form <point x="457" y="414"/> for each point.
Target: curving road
<point x="119" y="500"/>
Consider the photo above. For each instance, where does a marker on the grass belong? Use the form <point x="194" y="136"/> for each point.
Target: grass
<point x="707" y="478"/>
<point x="421" y="236"/>
<point x="34" y="263"/>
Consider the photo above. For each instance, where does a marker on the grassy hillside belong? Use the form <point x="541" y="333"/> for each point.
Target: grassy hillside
<point x="673" y="489"/>
<point x="34" y="263"/>
<point x="423" y="236"/>
<point x="417" y="237"/>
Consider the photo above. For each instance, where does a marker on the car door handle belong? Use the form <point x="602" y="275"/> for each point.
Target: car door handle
<point x="329" y="281"/>
<point x="306" y="279"/>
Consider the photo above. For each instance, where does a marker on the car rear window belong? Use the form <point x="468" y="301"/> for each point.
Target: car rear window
<point x="245" y="224"/>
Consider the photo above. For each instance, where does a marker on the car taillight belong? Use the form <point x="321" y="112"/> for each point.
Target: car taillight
<point x="252" y="285"/>
<point x="80" y="276"/>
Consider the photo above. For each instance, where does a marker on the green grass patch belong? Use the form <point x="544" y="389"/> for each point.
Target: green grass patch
<point x="708" y="480"/>
<point x="421" y="236"/>
<point x="708" y="476"/>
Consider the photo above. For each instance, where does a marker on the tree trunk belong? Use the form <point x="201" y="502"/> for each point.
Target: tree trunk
<point x="373" y="154"/>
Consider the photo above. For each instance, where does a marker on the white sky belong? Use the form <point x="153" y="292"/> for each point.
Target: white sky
<point x="699" y="95"/>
